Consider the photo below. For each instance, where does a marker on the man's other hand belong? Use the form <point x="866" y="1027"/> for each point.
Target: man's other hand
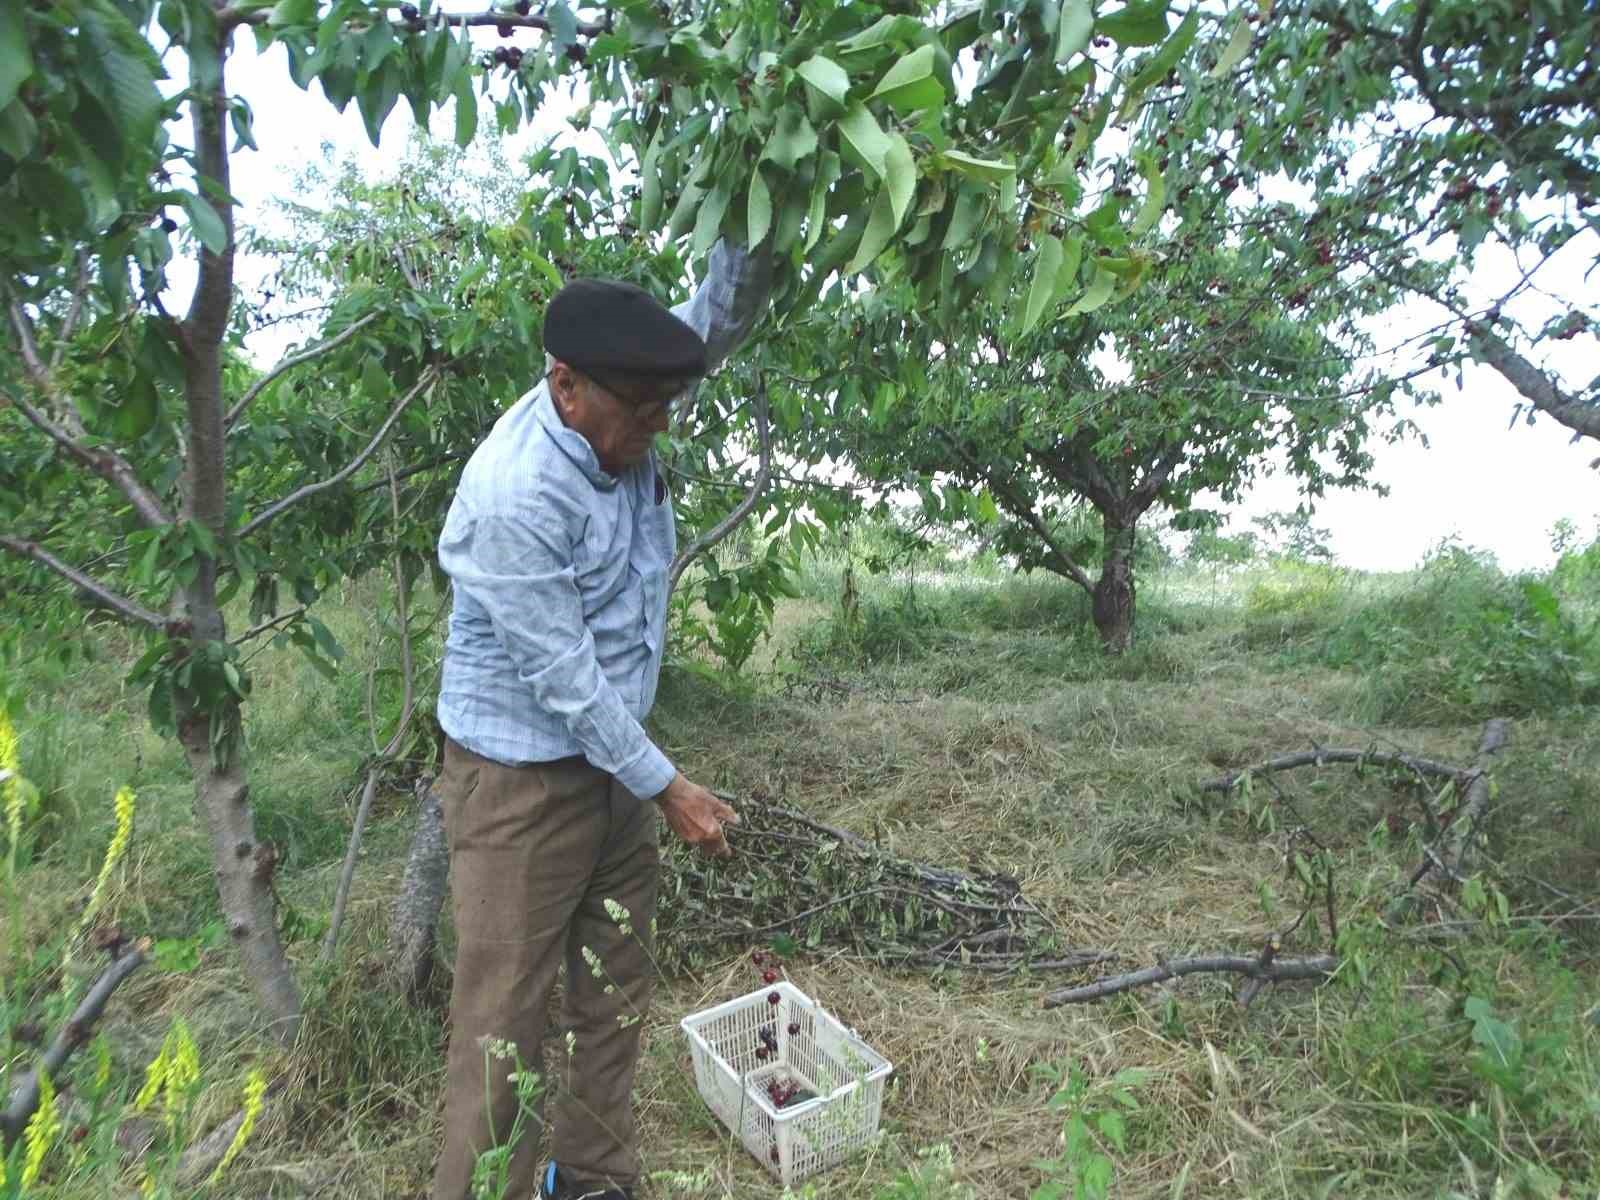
<point x="697" y="816"/>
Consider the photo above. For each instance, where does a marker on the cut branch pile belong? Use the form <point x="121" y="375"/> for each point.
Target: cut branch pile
<point x="793" y="877"/>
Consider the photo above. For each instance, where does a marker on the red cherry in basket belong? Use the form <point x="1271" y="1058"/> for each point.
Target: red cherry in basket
<point x="773" y="998"/>
<point x="794" y="1028"/>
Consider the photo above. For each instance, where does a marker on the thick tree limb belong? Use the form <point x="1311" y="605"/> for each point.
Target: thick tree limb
<point x="1275" y="971"/>
<point x="25" y="1096"/>
<point x="291" y="361"/>
<point x="130" y="609"/>
<point x="278" y="507"/>
<point x="414" y="917"/>
<point x="1317" y="758"/>
<point x="736" y="518"/>
<point x="1537" y="388"/>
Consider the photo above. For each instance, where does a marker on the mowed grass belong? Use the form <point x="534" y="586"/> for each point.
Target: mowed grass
<point x="966" y="718"/>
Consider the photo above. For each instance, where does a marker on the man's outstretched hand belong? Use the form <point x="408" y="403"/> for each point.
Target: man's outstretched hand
<point x="697" y="816"/>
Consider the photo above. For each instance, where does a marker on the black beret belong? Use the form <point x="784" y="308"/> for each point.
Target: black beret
<point x="609" y="325"/>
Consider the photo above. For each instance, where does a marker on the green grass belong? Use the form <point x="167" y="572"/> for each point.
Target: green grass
<point x="966" y="717"/>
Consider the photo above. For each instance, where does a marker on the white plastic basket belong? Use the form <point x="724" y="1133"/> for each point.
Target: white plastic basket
<point x="846" y="1075"/>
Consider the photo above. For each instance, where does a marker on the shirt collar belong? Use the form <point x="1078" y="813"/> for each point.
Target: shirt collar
<point x="570" y="442"/>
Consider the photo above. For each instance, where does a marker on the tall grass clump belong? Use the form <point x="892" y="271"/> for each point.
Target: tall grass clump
<point x="1463" y="642"/>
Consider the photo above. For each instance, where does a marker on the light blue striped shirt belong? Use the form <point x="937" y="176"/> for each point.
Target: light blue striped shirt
<point x="559" y="575"/>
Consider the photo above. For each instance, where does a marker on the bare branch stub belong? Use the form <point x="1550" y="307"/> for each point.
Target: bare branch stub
<point x="74" y="1032"/>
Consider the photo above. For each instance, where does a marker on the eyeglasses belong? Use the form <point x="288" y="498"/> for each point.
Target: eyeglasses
<point x="643" y="410"/>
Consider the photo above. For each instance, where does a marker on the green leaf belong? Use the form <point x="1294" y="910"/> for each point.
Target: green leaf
<point x="1155" y="199"/>
<point x="377" y="97"/>
<point x="900" y="176"/>
<point x="1071" y="258"/>
<point x="897" y="28"/>
<point x="971" y="205"/>
<point x="828" y="169"/>
<point x="138" y="405"/>
<point x="650" y="185"/>
<point x="1160" y="63"/>
<point x="205" y="221"/>
<point x="792" y="139"/>
<point x="120" y="66"/>
<point x="758" y="208"/>
<point x="18" y="130"/>
<point x="1073" y="30"/>
<point x="827" y="78"/>
<point x="1233" y="53"/>
<point x="16" y="60"/>
<point x="910" y="85"/>
<point x="1099" y="291"/>
<point x="1137" y="24"/>
<point x="292" y="12"/>
<point x="988" y="511"/>
<point x="1046" y="272"/>
<point x="1113" y="1128"/>
<point x="563" y="24"/>
<point x="865" y="140"/>
<point x="708" y="221"/>
<point x="979" y="168"/>
<point x="466" y="111"/>
<point x="880" y="228"/>
<point x="1499" y="1039"/>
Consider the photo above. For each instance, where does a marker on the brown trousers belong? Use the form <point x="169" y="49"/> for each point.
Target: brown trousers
<point x="535" y="853"/>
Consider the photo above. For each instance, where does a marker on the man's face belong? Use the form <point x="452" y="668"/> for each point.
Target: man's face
<point x="619" y="418"/>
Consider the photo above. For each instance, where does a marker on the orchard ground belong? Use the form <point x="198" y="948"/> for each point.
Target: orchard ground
<point x="966" y="718"/>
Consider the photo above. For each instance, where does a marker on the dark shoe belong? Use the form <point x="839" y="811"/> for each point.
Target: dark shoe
<point x="557" y="1186"/>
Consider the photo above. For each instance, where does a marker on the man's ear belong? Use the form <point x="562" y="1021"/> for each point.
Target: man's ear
<point x="563" y="386"/>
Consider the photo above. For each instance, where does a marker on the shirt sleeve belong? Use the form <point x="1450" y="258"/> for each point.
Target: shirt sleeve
<point x="730" y="299"/>
<point x="520" y="568"/>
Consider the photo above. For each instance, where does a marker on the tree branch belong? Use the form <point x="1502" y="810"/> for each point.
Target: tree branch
<point x="290" y="362"/>
<point x="256" y="631"/>
<point x="68" y="432"/>
<point x="1275" y="970"/>
<point x="734" y="519"/>
<point x="130" y="609"/>
<point x="272" y="511"/>
<point x="108" y="464"/>
<point x="234" y="16"/>
<point x="1023" y="511"/>
<point x="347" y="873"/>
<point x="80" y="292"/>
<point x="1316" y="758"/>
<point x="25" y="1096"/>
<point x="1533" y="384"/>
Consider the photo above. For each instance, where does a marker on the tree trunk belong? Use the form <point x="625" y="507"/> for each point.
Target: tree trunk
<point x="415" y="916"/>
<point x="1113" y="591"/>
<point x="209" y="722"/>
<point x="243" y="868"/>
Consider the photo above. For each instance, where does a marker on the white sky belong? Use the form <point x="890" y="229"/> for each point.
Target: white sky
<point x="1498" y="489"/>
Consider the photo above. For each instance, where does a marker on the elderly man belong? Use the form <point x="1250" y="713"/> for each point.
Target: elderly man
<point x="558" y="545"/>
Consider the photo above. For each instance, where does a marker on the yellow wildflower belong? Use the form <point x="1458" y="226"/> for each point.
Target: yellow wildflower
<point x="11" y="790"/>
<point x="40" y="1135"/>
<point x="123" y="806"/>
<point x="255" y="1091"/>
<point x="172" y="1075"/>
